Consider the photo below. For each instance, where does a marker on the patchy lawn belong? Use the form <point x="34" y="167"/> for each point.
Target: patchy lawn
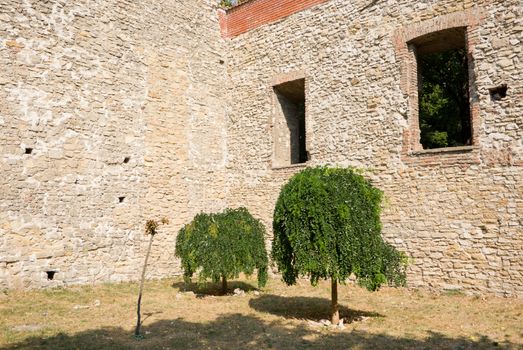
<point x="278" y="317"/>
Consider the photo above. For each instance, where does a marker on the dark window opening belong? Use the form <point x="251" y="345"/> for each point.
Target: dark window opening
<point x="50" y="275"/>
<point x="498" y="93"/>
<point x="443" y="83"/>
<point x="28" y="150"/>
<point x="290" y="142"/>
<point x="126" y="160"/>
<point x="121" y="199"/>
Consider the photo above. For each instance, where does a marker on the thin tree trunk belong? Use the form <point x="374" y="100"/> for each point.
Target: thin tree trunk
<point x="335" y="312"/>
<point x="137" y="330"/>
<point x="224" y="285"/>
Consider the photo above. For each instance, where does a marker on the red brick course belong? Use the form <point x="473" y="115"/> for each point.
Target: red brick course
<point x="256" y="13"/>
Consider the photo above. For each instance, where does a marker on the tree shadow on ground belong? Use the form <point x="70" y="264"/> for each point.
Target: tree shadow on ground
<point x="236" y="331"/>
<point x="308" y="308"/>
<point x="210" y="288"/>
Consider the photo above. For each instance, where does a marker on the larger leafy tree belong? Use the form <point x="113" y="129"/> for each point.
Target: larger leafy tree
<point x="327" y="226"/>
<point x="223" y="245"/>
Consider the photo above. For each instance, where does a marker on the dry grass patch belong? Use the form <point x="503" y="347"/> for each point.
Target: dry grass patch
<point x="103" y="317"/>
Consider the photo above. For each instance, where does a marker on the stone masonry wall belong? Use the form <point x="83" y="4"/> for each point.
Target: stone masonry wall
<point x="115" y="112"/>
<point x="122" y="105"/>
<point x="456" y="212"/>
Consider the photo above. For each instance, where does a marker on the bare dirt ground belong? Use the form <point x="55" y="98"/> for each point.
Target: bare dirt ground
<point x="277" y="317"/>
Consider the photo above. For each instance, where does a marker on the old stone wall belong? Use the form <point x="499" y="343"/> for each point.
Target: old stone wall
<point x="456" y="212"/>
<point x="115" y="112"/>
<point x="111" y="113"/>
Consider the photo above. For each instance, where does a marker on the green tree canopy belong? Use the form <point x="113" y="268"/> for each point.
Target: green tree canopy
<point x="327" y="225"/>
<point x="223" y="245"/>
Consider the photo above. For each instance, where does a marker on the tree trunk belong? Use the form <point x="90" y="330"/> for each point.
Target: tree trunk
<point x="335" y="312"/>
<point x="224" y="285"/>
<point x="137" y="330"/>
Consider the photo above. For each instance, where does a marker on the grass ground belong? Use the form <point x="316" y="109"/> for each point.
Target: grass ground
<point x="103" y="317"/>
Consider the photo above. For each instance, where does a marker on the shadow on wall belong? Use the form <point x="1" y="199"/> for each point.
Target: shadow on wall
<point x="235" y="331"/>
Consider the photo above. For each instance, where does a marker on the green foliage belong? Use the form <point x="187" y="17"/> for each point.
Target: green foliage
<point x="444" y="111"/>
<point x="227" y="4"/>
<point x="327" y="225"/>
<point x="223" y="245"/>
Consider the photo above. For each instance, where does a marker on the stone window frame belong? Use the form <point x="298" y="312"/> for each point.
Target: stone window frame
<point x="278" y="79"/>
<point x="412" y="150"/>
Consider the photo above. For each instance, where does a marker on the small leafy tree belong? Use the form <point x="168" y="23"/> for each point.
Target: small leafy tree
<point x="327" y="225"/>
<point x="222" y="245"/>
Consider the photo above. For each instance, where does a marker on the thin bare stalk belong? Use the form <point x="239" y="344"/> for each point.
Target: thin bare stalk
<point x="138" y="323"/>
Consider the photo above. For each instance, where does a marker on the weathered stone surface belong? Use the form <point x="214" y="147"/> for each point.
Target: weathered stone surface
<point x="87" y="84"/>
<point x="458" y="216"/>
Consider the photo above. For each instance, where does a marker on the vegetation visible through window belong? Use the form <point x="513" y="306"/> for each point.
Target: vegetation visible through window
<point x="444" y="110"/>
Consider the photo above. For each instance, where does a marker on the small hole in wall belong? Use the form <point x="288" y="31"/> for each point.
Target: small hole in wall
<point x="28" y="150"/>
<point x="50" y="275"/>
<point x="499" y="92"/>
<point x="126" y="160"/>
<point x="222" y="61"/>
<point x="121" y="199"/>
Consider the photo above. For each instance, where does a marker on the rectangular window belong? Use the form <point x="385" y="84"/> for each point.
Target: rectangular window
<point x="289" y="123"/>
<point x="443" y="88"/>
